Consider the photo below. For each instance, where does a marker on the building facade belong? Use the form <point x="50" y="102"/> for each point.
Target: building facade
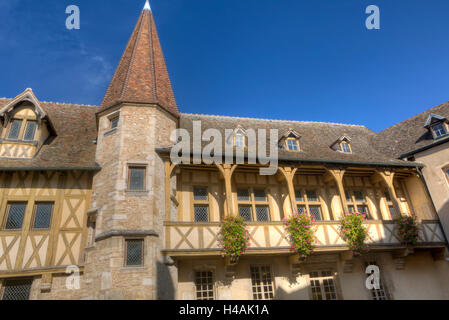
<point x="92" y="206"/>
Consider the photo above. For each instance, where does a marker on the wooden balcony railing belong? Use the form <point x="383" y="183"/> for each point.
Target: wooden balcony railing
<point x="188" y="238"/>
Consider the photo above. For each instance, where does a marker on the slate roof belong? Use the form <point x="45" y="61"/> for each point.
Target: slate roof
<point x="410" y="135"/>
<point x="142" y="76"/>
<point x="73" y="146"/>
<point x="316" y="138"/>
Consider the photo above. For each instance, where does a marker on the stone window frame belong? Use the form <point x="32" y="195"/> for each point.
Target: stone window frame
<point x="125" y="252"/>
<point x="253" y="203"/>
<point x="4" y="282"/>
<point x="134" y="165"/>
<point x="206" y="267"/>
<point x="214" y="287"/>
<point x="273" y="280"/>
<point x="320" y="278"/>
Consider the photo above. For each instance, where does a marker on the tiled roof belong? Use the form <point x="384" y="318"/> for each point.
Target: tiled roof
<point x="316" y="138"/>
<point x="141" y="76"/>
<point x="73" y="146"/>
<point x="409" y="135"/>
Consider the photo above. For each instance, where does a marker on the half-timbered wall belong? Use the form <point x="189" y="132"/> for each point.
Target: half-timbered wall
<point x="64" y="242"/>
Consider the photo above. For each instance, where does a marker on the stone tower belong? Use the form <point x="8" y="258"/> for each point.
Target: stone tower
<point x="138" y="114"/>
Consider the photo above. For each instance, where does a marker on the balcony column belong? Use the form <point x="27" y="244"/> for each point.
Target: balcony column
<point x="227" y="171"/>
<point x="338" y="175"/>
<point x="388" y="178"/>
<point x="169" y="167"/>
<point x="289" y="174"/>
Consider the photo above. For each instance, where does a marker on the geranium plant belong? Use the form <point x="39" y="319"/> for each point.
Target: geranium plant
<point x="407" y="227"/>
<point x="300" y="232"/>
<point x="233" y="237"/>
<point x="355" y="233"/>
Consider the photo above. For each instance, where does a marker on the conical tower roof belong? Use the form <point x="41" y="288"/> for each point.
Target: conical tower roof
<point x="142" y="76"/>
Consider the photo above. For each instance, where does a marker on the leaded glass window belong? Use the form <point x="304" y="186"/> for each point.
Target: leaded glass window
<point x="17" y="289"/>
<point x="42" y="215"/>
<point x="134" y="252"/>
<point x="201" y="213"/>
<point x="14" y="130"/>
<point x="137" y="178"/>
<point x="30" y="131"/>
<point x="16" y="213"/>
<point x="246" y="213"/>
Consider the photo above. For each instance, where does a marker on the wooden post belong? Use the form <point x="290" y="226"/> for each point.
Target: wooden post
<point x="169" y="167"/>
<point x="338" y="175"/>
<point x="388" y="177"/>
<point x="227" y="170"/>
<point x="289" y="174"/>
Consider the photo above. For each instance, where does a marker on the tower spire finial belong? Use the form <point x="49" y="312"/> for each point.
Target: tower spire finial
<point x="147" y="5"/>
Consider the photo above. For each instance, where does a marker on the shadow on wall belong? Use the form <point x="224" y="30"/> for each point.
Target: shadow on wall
<point x="295" y="294"/>
<point x="165" y="284"/>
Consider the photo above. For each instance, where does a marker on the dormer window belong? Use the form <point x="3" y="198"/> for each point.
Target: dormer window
<point x="437" y="125"/>
<point x="14" y="129"/>
<point x="290" y="141"/>
<point x="345" y="147"/>
<point x="30" y="131"/>
<point x="27" y="127"/>
<point x="23" y="130"/>
<point x="439" y="130"/>
<point x="292" y="144"/>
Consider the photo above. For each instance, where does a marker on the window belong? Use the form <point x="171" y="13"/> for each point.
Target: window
<point x="134" y="253"/>
<point x="42" y="215"/>
<point x="292" y="144"/>
<point x="201" y="204"/>
<point x="16" y="289"/>
<point x="30" y="131"/>
<point x="137" y="178"/>
<point x="357" y="202"/>
<point x="308" y="201"/>
<point x="439" y="130"/>
<point x="381" y="293"/>
<point x="204" y="284"/>
<point x="239" y="141"/>
<point x="114" y="122"/>
<point x="14" y="129"/>
<point x="390" y="205"/>
<point x="345" y="147"/>
<point x="262" y="283"/>
<point x="447" y="172"/>
<point x="322" y="286"/>
<point x="16" y="213"/>
<point x="253" y="205"/>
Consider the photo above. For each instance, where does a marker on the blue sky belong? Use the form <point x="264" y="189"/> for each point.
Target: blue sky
<point x="279" y="59"/>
